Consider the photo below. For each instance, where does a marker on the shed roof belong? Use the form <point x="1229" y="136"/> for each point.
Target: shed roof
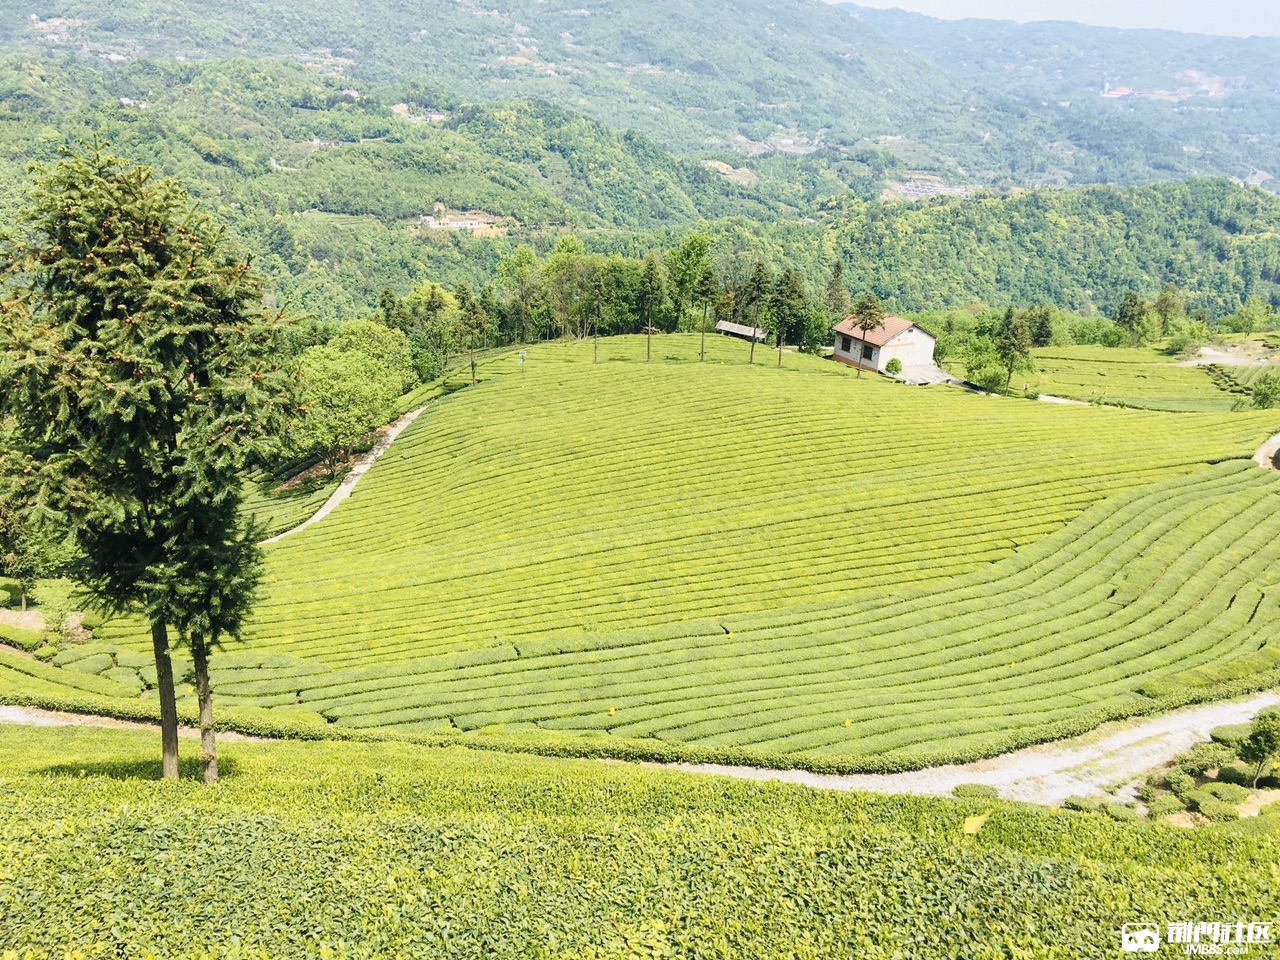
<point x="893" y="327"/>
<point x="741" y="330"/>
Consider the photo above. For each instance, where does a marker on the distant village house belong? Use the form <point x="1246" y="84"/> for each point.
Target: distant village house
<point x="910" y="344"/>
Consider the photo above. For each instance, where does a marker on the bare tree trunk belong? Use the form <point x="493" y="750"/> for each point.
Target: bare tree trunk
<point x="23" y="588"/>
<point x="648" y="336"/>
<point x="168" y="702"/>
<point x="755" y="325"/>
<point x="208" y="742"/>
<point x="702" y="355"/>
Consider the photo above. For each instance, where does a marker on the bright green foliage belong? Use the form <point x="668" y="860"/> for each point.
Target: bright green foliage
<point x="1266" y="390"/>
<point x="1262" y="746"/>
<point x="387" y="346"/>
<point x="386" y="850"/>
<point x="347" y="394"/>
<point x="142" y="383"/>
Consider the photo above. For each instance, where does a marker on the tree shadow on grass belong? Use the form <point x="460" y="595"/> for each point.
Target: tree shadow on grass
<point x="189" y="768"/>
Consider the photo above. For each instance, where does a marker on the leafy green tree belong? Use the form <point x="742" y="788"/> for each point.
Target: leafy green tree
<point x="142" y="378"/>
<point x="685" y="266"/>
<point x="836" y="296"/>
<point x="380" y="343"/>
<point x="1255" y="315"/>
<point x="518" y="278"/>
<point x="893" y="367"/>
<point x="1169" y="307"/>
<point x="346" y="395"/>
<point x="474" y="323"/>
<point x="653" y="290"/>
<point x="1013" y="346"/>
<point x="705" y="294"/>
<point x="754" y="296"/>
<point x="1132" y="315"/>
<point x="868" y="315"/>
<point x="388" y="307"/>
<point x="564" y="282"/>
<point x="788" y="305"/>
<point x="1266" y="391"/>
<point x="434" y="327"/>
<point x="1040" y="321"/>
<point x="1263" y="743"/>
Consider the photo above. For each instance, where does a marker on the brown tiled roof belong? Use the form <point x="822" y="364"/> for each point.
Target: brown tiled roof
<point x="880" y="335"/>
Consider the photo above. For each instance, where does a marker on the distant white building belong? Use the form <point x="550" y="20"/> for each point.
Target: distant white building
<point x="912" y="345"/>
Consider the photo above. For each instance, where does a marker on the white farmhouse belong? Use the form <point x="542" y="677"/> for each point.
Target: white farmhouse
<point x="910" y="344"/>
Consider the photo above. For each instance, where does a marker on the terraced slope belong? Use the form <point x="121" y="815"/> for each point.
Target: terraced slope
<point x="585" y="497"/>
<point x="1138" y="377"/>
<point x="1171" y="586"/>
<point x="789" y="562"/>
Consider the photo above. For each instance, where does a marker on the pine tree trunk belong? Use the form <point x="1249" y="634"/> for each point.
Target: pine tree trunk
<point x="24" y="599"/>
<point x="208" y="742"/>
<point x="168" y="701"/>
<point x="702" y="355"/>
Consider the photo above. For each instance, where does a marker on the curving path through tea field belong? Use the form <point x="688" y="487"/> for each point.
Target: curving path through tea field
<point x="1090" y="765"/>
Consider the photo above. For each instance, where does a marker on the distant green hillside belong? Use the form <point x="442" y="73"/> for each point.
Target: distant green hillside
<point x="1197" y="104"/>
<point x="740" y="80"/>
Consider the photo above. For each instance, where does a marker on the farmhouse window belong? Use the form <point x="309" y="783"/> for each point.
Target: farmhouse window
<point x="867" y="351"/>
<point x="846" y="344"/>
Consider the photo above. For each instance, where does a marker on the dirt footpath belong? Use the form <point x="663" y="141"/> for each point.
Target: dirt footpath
<point x="1115" y="756"/>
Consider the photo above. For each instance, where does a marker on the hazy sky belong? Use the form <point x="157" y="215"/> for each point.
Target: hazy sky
<point x="1231" y="17"/>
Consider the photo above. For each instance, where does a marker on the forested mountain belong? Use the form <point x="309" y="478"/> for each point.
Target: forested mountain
<point x="1188" y="102"/>
<point x="736" y="80"/>
<point x="327" y="136"/>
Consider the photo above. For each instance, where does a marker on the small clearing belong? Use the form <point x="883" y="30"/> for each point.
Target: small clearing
<point x="23" y="619"/>
<point x="1110" y="761"/>
<point x="1246" y="355"/>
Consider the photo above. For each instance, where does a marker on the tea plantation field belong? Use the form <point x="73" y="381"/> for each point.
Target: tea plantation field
<point x="786" y="566"/>
<point x="1139" y="377"/>
<point x="384" y="850"/>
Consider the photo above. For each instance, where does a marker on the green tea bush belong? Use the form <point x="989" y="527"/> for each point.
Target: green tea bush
<point x="384" y="849"/>
<point x="1118" y="811"/>
<point x="975" y="791"/>
<point x="1237" y="774"/>
<point x="1181" y="783"/>
<point x="1226" y="792"/>
<point x="1166" y="804"/>
<point x="1206" y="756"/>
<point x="1211" y="807"/>
<point x="1082" y="804"/>
<point x="22" y="639"/>
<point x="1230" y="735"/>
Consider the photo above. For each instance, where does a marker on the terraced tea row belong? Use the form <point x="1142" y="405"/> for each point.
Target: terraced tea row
<point x="1176" y="577"/>
<point x="589" y="497"/>
<point x="1137" y="377"/>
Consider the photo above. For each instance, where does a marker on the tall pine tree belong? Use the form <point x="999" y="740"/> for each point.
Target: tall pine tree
<point x="143" y="377"/>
